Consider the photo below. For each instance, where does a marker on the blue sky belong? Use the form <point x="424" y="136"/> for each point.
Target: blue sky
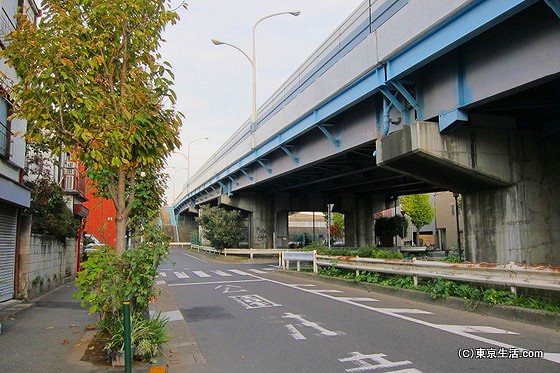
<point x="213" y="83"/>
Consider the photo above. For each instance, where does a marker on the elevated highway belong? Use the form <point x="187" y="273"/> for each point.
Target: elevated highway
<point x="410" y="96"/>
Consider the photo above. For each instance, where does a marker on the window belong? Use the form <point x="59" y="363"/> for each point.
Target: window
<point x="5" y="133"/>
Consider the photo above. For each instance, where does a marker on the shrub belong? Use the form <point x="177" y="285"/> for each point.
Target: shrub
<point x="222" y="228"/>
<point x="108" y="280"/>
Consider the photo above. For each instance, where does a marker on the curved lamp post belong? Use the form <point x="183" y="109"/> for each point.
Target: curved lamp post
<point x="253" y="61"/>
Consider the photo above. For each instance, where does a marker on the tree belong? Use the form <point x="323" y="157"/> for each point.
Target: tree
<point x="387" y="228"/>
<point x="419" y="208"/>
<point x="92" y="84"/>
<point x="48" y="209"/>
<point x="221" y="228"/>
<point x="337" y="225"/>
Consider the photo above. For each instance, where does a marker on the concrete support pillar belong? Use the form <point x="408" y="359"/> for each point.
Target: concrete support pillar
<point x="520" y="223"/>
<point x="262" y="223"/>
<point x="281" y="229"/>
<point x="509" y="178"/>
<point x="186" y="226"/>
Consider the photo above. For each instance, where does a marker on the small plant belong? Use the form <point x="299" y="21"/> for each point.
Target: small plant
<point x="147" y="335"/>
<point x="453" y="257"/>
<point x="331" y="271"/>
<point x="441" y="288"/>
<point x="38" y="280"/>
<point x="493" y="297"/>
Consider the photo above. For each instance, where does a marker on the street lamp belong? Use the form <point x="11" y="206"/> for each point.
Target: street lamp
<point x="188" y="158"/>
<point x="253" y="61"/>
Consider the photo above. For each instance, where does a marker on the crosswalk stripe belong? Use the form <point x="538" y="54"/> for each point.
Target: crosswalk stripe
<point x="257" y="271"/>
<point x="221" y="273"/>
<point x="162" y="274"/>
<point x="181" y="275"/>
<point x="238" y="272"/>
<point x="201" y="274"/>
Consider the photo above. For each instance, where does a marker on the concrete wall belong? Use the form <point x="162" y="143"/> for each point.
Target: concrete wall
<point x="44" y="263"/>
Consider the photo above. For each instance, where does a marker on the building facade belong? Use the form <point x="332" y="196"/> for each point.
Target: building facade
<point x="14" y="197"/>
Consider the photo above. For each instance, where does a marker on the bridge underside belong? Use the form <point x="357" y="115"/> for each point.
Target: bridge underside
<point x="481" y="118"/>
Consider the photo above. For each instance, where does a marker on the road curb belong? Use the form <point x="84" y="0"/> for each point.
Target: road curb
<point x="182" y="350"/>
<point x="542" y="318"/>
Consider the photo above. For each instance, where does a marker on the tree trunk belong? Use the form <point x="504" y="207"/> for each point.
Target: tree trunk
<point x="121" y="234"/>
<point x="122" y="207"/>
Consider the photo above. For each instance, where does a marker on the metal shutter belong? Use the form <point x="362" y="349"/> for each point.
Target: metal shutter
<point x="8" y="224"/>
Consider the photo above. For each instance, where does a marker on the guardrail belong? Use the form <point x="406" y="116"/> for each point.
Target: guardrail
<point x="512" y="275"/>
<point x="179" y="244"/>
<point x="299" y="256"/>
<point x="205" y="248"/>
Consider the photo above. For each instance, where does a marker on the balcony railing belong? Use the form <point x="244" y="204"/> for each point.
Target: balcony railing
<point x="74" y="181"/>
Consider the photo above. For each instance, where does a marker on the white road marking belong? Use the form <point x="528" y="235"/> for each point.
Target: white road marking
<point x="221" y="273"/>
<point x="405" y="310"/>
<point x="160" y="282"/>
<point x="194" y="257"/>
<point x="257" y="271"/>
<point x="294" y="332"/>
<point x="213" y="282"/>
<point x="305" y="285"/>
<point x="172" y="315"/>
<point x="162" y="274"/>
<point x="228" y="289"/>
<point x="238" y="272"/>
<point x="554" y="357"/>
<point x="478" y="329"/>
<point x="181" y="275"/>
<point x="201" y="274"/>
<point x="326" y="291"/>
<point x="254" y="301"/>
<point x="310" y="324"/>
<point x="358" y="299"/>
<point x="376" y="361"/>
<point x="270" y="269"/>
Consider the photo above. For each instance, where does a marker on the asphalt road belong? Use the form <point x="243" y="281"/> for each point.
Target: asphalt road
<point x="255" y="318"/>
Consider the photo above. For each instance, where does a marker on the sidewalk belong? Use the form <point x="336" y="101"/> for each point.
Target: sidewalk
<point x="51" y="335"/>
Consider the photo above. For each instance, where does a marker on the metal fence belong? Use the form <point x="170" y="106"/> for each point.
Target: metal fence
<point x="512" y="275"/>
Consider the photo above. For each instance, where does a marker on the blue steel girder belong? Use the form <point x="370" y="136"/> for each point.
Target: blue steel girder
<point x="268" y="169"/>
<point x="463" y="26"/>
<point x="473" y="20"/>
<point x="286" y="150"/>
<point x="233" y="180"/>
<point x="554" y="5"/>
<point x="329" y="135"/>
<point x="400" y="87"/>
<point x="223" y="186"/>
<point x="244" y="172"/>
<point x="391" y="97"/>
